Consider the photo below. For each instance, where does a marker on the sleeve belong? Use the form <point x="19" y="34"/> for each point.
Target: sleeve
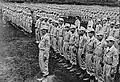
<point x="41" y="45"/>
<point x="36" y="24"/>
<point x="47" y="43"/>
<point x="115" y="59"/>
<point x="77" y="42"/>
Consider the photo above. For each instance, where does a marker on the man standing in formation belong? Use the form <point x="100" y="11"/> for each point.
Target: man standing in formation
<point x="87" y="48"/>
<point x="44" y="48"/>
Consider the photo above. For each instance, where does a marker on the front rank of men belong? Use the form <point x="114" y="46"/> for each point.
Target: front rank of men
<point x="95" y="50"/>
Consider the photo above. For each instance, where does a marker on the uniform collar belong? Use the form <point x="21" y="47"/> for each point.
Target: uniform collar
<point x="61" y="26"/>
<point x="99" y="42"/>
<point x="92" y="38"/>
<point x="111" y="48"/>
<point x="44" y="36"/>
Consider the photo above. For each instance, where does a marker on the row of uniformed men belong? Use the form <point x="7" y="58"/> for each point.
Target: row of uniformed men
<point x="18" y="17"/>
<point x="94" y="49"/>
<point x="84" y="11"/>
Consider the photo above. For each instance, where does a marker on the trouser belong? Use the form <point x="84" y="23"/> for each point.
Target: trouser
<point x="89" y="64"/>
<point x="72" y="55"/>
<point x="43" y="62"/>
<point x="37" y="35"/>
<point x="107" y="73"/>
<point x="54" y="42"/>
<point x="65" y="50"/>
<point x="60" y="44"/>
<point x="98" y="69"/>
<point x="81" y="61"/>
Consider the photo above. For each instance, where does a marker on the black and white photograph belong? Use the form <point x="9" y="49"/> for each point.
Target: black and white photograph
<point x="59" y="40"/>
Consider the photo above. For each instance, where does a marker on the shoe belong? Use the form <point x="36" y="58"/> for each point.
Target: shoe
<point x="68" y="68"/>
<point x="86" y="77"/>
<point x="55" y="57"/>
<point x="73" y="70"/>
<point x="40" y="79"/>
<point x="65" y="65"/>
<point x="60" y="61"/>
<point x="81" y="76"/>
<point x="78" y="73"/>
<point x="37" y="41"/>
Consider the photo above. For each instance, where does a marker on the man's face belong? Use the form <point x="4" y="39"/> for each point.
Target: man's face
<point x="104" y="21"/>
<point x="81" y="32"/>
<point x="117" y="26"/>
<point x="43" y="31"/>
<point x="110" y="43"/>
<point x="112" y="25"/>
<point x="37" y="18"/>
<point x="67" y="28"/>
<point x="61" y="22"/>
<point x="55" y="24"/>
<point x="73" y="30"/>
<point x="99" y="37"/>
<point x="46" y="20"/>
<point x="90" y="34"/>
<point x="90" y="18"/>
<point x="50" y="21"/>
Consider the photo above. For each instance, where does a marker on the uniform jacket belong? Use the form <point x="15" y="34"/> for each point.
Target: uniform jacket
<point x="99" y="47"/>
<point x="81" y="41"/>
<point x="111" y="56"/>
<point x="66" y="36"/>
<point x="90" y="45"/>
<point x="77" y="23"/>
<point x="116" y="33"/>
<point x="98" y="28"/>
<point x="45" y="42"/>
<point x="73" y="38"/>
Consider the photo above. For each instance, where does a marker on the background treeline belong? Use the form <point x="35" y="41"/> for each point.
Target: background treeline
<point x="77" y="2"/>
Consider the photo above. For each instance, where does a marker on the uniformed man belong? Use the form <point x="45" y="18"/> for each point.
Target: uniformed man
<point x="98" y="55"/>
<point x="82" y="39"/>
<point x="111" y="28"/>
<point x="98" y="26"/>
<point x="77" y="22"/>
<point x="29" y="23"/>
<point x="49" y="23"/>
<point x="61" y="22"/>
<point x="116" y="34"/>
<point x="66" y="38"/>
<point x="90" y="23"/>
<point x="72" y="49"/>
<point x="111" y="59"/>
<point x="88" y="50"/>
<point x="44" y="47"/>
<point x="105" y="27"/>
<point x="54" y="34"/>
<point x="61" y="30"/>
<point x="37" y="30"/>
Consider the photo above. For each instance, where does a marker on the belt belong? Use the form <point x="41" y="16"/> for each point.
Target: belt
<point x="80" y="47"/>
<point x="42" y="49"/>
<point x="108" y="63"/>
<point x="65" y="41"/>
<point x="89" y="52"/>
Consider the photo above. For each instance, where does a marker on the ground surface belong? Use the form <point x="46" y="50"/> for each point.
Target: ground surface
<point x="12" y="41"/>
